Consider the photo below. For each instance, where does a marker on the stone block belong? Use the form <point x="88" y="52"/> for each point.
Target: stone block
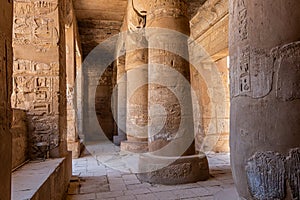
<point x="185" y="169"/>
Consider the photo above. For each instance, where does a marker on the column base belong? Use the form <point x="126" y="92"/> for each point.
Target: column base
<point x="118" y="139"/>
<point x="74" y="147"/>
<point x="134" y="146"/>
<point x="186" y="169"/>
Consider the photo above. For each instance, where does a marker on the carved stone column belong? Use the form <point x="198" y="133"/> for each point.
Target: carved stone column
<point x="6" y="10"/>
<point x="169" y="90"/>
<point x="137" y="89"/>
<point x="265" y="98"/>
<point x="39" y="76"/>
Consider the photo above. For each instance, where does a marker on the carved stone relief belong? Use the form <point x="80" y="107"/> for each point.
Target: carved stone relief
<point x="167" y="8"/>
<point x="267" y="173"/>
<point x="36" y="80"/>
<point x="293" y="174"/>
<point x="254" y="71"/>
<point x="266" y="176"/>
<point x="34" y="24"/>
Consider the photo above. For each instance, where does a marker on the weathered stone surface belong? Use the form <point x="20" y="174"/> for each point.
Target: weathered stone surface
<point x="207" y="16"/>
<point x="39" y="73"/>
<point x="134" y="146"/>
<point x="292" y="169"/>
<point x="166" y="68"/>
<point x="264" y="86"/>
<point x="5" y="92"/>
<point x="287" y="59"/>
<point x="50" y="180"/>
<point x="186" y="169"/>
<point x="266" y="176"/>
<point x="19" y="131"/>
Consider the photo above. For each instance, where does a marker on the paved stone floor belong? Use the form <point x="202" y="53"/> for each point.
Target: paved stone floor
<point x="92" y="180"/>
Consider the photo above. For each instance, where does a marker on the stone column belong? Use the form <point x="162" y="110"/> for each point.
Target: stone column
<point x="73" y="143"/>
<point x="121" y="100"/>
<point x="6" y="10"/>
<point x="137" y="78"/>
<point x="265" y="98"/>
<point x="137" y="94"/>
<point x="172" y="16"/>
<point x="39" y="77"/>
<point x="171" y="131"/>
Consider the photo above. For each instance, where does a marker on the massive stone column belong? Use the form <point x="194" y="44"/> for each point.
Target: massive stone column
<point x="136" y="61"/>
<point x="172" y="16"/>
<point x="171" y="131"/>
<point x="39" y="77"/>
<point x="265" y="98"/>
<point x="5" y="92"/>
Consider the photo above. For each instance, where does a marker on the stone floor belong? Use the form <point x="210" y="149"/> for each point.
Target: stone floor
<point x="92" y="180"/>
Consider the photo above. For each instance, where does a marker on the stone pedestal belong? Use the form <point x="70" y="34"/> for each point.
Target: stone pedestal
<point x="173" y="171"/>
<point x="265" y="98"/>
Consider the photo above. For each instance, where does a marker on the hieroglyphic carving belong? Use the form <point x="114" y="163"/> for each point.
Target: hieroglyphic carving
<point x="244" y="71"/>
<point x="266" y="176"/>
<point x="34" y="24"/>
<point x="44" y="130"/>
<point x="254" y="69"/>
<point x="287" y="59"/>
<point x="33" y="85"/>
<point x="35" y="7"/>
<point x="36" y="79"/>
<point x="21" y="66"/>
<point x="261" y="73"/>
<point x="174" y="171"/>
<point x="208" y="14"/>
<point x="243" y="20"/>
<point x="40" y="32"/>
<point x="167" y="8"/>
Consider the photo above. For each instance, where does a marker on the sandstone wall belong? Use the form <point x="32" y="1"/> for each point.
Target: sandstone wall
<point x="209" y="30"/>
<point x="39" y="78"/>
<point x="5" y="92"/>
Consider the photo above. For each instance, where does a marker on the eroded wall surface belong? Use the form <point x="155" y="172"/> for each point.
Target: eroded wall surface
<point x="5" y="92"/>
